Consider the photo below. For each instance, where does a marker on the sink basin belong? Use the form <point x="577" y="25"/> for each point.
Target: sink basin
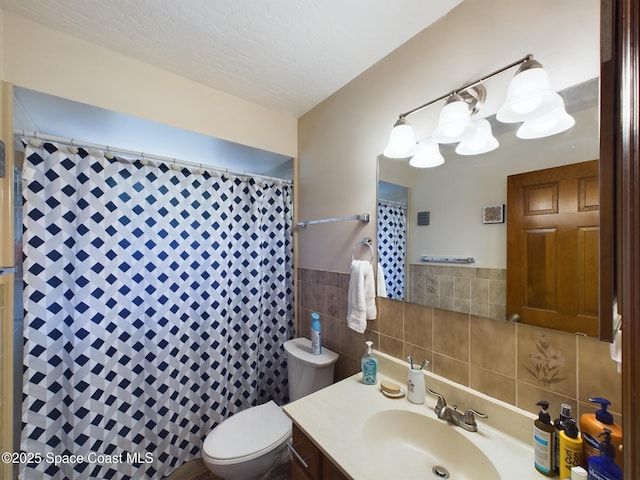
<point x="412" y="445"/>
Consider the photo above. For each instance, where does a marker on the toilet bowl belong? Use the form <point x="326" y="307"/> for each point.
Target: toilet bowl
<point x="246" y="445"/>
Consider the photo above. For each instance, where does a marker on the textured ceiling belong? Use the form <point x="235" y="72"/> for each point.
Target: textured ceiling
<point x="286" y="55"/>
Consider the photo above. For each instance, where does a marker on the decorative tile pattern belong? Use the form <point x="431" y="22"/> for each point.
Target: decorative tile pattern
<point x="545" y="363"/>
<point x="156" y="305"/>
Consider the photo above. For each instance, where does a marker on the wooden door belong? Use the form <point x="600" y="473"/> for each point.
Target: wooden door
<point x="552" y="247"/>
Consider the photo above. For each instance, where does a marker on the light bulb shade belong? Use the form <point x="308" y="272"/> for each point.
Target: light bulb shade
<point x="402" y="141"/>
<point x="428" y="155"/>
<point x="454" y="122"/>
<point x="529" y="96"/>
<point x="482" y="140"/>
<point x="552" y="123"/>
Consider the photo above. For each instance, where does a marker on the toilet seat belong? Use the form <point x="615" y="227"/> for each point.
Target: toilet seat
<point x="247" y="434"/>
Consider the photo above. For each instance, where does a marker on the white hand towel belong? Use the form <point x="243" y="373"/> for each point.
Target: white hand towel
<point x="361" y="296"/>
<point x="382" y="282"/>
<point x="615" y="348"/>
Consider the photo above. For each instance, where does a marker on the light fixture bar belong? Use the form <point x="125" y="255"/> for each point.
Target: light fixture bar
<point x="468" y="85"/>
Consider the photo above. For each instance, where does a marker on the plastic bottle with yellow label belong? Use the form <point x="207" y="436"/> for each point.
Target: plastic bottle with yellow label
<point x="570" y="449"/>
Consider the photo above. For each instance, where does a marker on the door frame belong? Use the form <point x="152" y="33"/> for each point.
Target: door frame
<point x="623" y="62"/>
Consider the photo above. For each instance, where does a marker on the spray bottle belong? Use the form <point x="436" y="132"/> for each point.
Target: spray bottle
<point x="316" y="339"/>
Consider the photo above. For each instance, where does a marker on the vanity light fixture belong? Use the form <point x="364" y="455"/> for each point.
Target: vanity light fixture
<point x="529" y="95"/>
<point x="556" y="121"/>
<point x="454" y="123"/>
<point x="481" y="141"/>
<point x="529" y="100"/>
<point x="402" y="143"/>
<point x="428" y="155"/>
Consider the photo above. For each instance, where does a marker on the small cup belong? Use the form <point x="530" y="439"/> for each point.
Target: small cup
<point x="415" y="385"/>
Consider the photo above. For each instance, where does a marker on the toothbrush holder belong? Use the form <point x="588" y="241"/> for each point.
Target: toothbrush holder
<point x="415" y="384"/>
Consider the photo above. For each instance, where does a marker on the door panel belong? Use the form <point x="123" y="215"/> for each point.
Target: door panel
<point x="539" y="275"/>
<point x="552" y="247"/>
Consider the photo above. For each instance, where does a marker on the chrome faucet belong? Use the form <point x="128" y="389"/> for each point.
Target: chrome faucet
<point x="466" y="420"/>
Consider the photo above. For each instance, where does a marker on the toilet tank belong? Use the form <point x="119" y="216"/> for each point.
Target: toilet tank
<point x="307" y="372"/>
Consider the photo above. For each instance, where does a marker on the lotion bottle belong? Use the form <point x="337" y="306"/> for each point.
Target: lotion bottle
<point x="543" y="433"/>
<point x="570" y="451"/>
<point x="603" y="467"/>
<point x="591" y="426"/>
<point x="369" y="366"/>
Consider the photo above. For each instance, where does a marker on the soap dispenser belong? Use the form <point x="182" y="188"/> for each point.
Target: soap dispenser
<point x="369" y="366"/>
<point x="543" y="433"/>
<point x="591" y="426"/>
<point x="603" y="467"/>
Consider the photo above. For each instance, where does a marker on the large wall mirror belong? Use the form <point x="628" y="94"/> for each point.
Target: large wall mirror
<point x="460" y="209"/>
<point x="446" y="213"/>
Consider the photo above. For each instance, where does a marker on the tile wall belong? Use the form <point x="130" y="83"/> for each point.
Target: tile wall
<point x="478" y="291"/>
<point x="515" y="363"/>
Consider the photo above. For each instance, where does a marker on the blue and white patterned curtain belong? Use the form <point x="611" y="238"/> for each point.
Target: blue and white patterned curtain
<point x="392" y="245"/>
<point x="156" y="305"/>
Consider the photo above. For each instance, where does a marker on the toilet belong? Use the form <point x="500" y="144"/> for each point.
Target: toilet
<point x="246" y="445"/>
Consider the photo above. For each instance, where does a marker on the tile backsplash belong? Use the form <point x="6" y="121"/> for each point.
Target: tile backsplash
<point x="516" y="363"/>
<point x="474" y="290"/>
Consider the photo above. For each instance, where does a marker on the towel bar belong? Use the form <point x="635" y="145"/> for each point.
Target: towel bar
<point x="364" y="218"/>
<point x="449" y="259"/>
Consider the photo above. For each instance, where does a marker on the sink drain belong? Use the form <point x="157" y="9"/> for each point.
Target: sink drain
<point x="440" y="472"/>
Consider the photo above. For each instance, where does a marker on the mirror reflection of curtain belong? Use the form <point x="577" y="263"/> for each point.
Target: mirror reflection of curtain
<point x="392" y="241"/>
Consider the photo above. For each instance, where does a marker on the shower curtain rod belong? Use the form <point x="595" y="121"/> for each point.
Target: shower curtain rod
<point x="142" y="155"/>
<point x="393" y="203"/>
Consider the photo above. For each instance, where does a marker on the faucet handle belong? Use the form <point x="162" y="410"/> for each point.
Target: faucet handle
<point x="441" y="401"/>
<point x="471" y="414"/>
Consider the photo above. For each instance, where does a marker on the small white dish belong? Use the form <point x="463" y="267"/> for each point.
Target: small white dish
<point x="400" y="394"/>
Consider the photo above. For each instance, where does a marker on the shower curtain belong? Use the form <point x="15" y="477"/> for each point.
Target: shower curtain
<point x="392" y="245"/>
<point x="156" y="305"/>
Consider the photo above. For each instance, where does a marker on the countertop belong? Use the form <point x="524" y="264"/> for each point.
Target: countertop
<point x="334" y="418"/>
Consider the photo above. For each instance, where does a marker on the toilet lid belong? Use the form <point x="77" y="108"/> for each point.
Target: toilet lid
<point x="248" y="434"/>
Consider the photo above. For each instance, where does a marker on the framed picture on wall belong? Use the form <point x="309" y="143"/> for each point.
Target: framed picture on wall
<point x="493" y="214"/>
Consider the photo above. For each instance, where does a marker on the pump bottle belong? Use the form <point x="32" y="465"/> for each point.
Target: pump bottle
<point x="603" y="467"/>
<point x="543" y="436"/>
<point x="558" y="424"/>
<point x="591" y="426"/>
<point x="369" y="366"/>
<point x="570" y="449"/>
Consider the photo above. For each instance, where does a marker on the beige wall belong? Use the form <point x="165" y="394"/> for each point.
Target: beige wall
<point x="36" y="57"/>
<point x="340" y="139"/>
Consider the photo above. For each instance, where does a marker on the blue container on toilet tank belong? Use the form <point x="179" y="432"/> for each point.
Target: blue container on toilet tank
<point x="316" y="334"/>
